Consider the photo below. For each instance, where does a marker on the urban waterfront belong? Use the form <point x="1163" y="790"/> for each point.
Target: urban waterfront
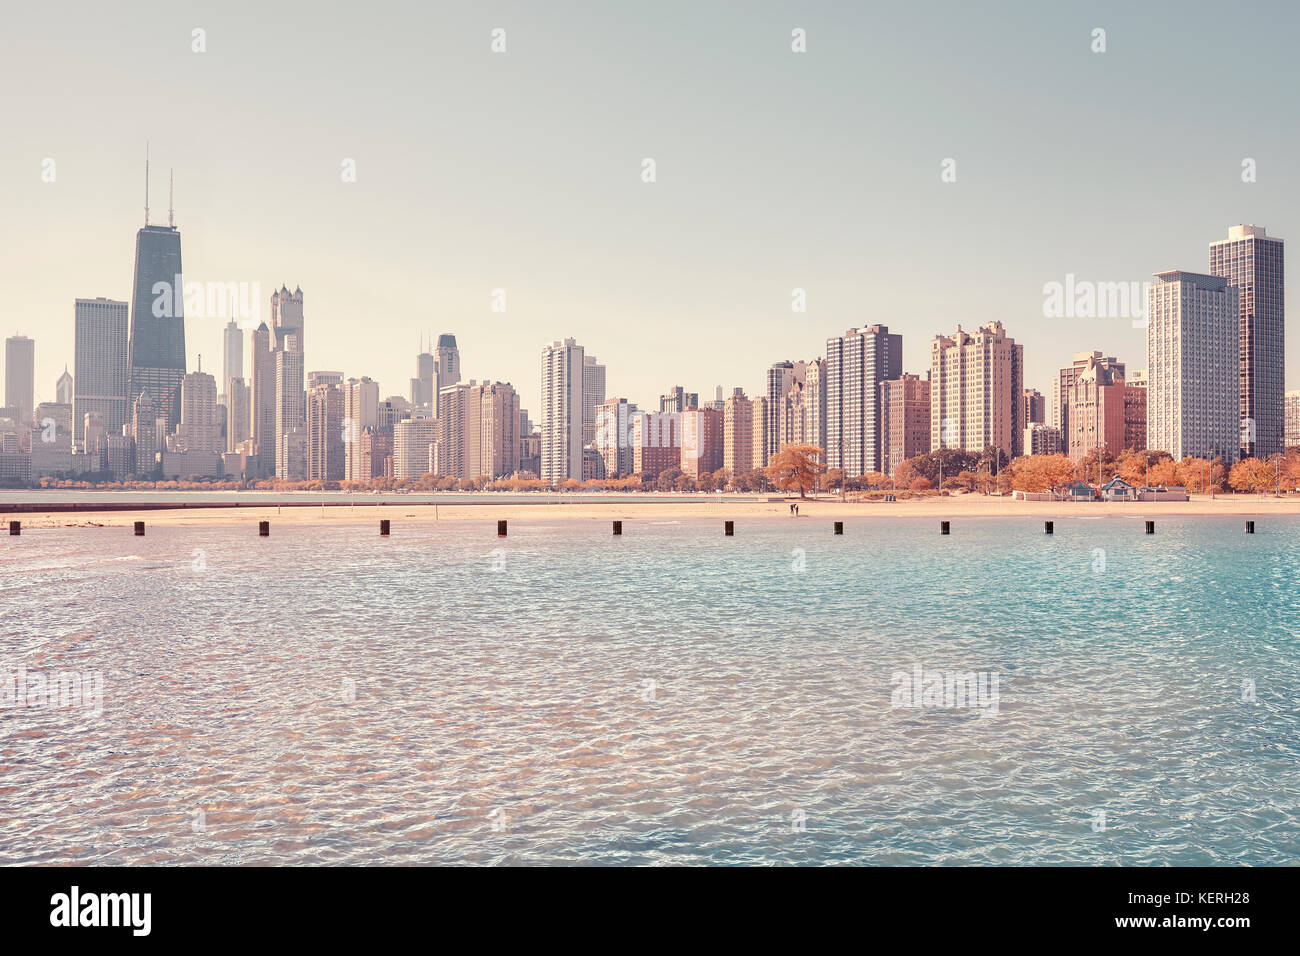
<point x="670" y="696"/>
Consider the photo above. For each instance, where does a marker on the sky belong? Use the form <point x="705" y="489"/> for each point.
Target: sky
<point x="523" y="171"/>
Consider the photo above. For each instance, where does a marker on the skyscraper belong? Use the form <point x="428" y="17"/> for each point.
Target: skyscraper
<point x="856" y="363"/>
<point x="425" y="383"/>
<point x="287" y="317"/>
<point x="1252" y="262"/>
<point x="1065" y="379"/>
<point x="144" y="430"/>
<point x="1035" y="407"/>
<point x="325" y="446"/>
<point x="360" y="412"/>
<point x="412" y="440"/>
<point x="102" y="360"/>
<point x="290" y="412"/>
<point x="491" y="424"/>
<point x="656" y="442"/>
<point x="65" y="388"/>
<point x="677" y="399"/>
<point x="781" y="378"/>
<point x="1094" y="407"/>
<point x="738" y="434"/>
<point x="814" y="399"/>
<point x="702" y="434"/>
<point x="263" y="400"/>
<point x="977" y="391"/>
<point x="1135" y="411"/>
<point x="232" y="353"/>
<point x="1193" y="366"/>
<point x="562" y="372"/>
<point x="593" y="393"/>
<point x="904" y="420"/>
<point x="157" y="350"/>
<point x="238" y="397"/>
<point x="448" y="367"/>
<point x="199" y="430"/>
<point x="613" y="437"/>
<point x="20" y="376"/>
<point x="1292" y="400"/>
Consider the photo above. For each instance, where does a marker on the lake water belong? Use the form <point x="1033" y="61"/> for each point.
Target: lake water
<point x="325" y="695"/>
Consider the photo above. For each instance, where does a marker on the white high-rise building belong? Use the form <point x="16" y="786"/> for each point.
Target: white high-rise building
<point x="1193" y="371"/>
<point x="199" y="430"/>
<point x="561" y="413"/>
<point x="977" y="390"/>
<point x="1293" y="418"/>
<point x="360" y="411"/>
<point x="1252" y="262"/>
<point x="613" y="436"/>
<point x="412" y="440"/>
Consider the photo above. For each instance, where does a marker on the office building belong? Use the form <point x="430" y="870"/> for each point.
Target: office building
<point x="101" y="358"/>
<point x="1252" y="263"/>
<point x="20" y="376"/>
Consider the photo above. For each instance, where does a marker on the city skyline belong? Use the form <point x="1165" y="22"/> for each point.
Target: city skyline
<point x="693" y="255"/>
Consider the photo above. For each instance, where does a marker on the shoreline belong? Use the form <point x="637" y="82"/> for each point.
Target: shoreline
<point x="299" y="512"/>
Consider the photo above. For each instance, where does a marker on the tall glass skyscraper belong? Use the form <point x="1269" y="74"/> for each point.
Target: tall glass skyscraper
<point x="1252" y="262"/>
<point x="158" y="320"/>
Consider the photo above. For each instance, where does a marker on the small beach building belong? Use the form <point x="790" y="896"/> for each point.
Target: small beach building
<point x="1117" y="489"/>
<point x="1079" y="491"/>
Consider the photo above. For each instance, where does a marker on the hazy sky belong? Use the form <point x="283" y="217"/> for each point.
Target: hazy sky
<point x="523" y="171"/>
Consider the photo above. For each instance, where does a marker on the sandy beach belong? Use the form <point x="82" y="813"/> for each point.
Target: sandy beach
<point x="574" y="508"/>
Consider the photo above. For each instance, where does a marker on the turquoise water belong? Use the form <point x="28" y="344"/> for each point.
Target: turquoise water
<point x="326" y="695"/>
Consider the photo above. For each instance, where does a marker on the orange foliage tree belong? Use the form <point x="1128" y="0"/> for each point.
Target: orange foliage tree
<point x="796" y="467"/>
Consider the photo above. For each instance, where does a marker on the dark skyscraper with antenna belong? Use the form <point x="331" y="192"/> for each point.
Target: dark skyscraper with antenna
<point x="157" y="349"/>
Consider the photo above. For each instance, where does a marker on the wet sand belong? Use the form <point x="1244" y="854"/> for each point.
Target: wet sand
<point x="661" y="508"/>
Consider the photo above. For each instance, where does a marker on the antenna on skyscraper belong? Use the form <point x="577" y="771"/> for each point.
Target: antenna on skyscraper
<point x="171" y="186"/>
<point x="146" y="182"/>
